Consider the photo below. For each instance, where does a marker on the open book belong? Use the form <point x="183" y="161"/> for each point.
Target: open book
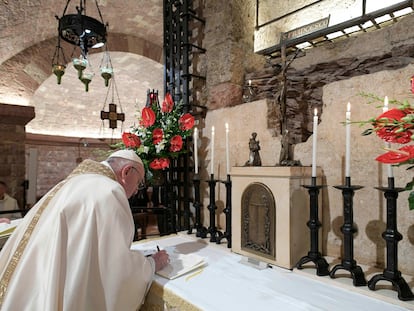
<point x="7" y="229"/>
<point x="181" y="264"/>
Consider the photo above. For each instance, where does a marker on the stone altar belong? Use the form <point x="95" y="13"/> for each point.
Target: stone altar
<point x="270" y="210"/>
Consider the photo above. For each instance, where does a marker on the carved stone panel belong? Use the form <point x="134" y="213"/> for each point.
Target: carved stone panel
<point x="258" y="219"/>
<point x="270" y="210"/>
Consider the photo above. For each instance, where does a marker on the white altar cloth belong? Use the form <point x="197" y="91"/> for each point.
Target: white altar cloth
<point x="227" y="284"/>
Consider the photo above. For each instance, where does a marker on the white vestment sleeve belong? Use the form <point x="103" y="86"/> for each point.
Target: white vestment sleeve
<point x="127" y="274"/>
<point x="78" y="256"/>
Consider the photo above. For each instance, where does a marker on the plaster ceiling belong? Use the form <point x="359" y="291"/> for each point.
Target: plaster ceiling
<point x="68" y="110"/>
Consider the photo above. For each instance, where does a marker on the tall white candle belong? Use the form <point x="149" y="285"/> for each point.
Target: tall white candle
<point x="315" y="137"/>
<point x="227" y="150"/>
<point x="385" y="108"/>
<point x="348" y="141"/>
<point x="212" y="151"/>
<point x="387" y="144"/>
<point x="195" y="139"/>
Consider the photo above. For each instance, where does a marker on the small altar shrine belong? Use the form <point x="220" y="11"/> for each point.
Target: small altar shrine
<point x="270" y="213"/>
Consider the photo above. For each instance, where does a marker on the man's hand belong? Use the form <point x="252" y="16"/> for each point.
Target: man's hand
<point x="161" y="259"/>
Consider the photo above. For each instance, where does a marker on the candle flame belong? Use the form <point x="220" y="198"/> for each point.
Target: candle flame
<point x="227" y="126"/>
<point x="348" y="108"/>
<point x="315" y="112"/>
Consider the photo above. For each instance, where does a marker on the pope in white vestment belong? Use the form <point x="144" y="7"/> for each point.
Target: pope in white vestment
<point x="72" y="250"/>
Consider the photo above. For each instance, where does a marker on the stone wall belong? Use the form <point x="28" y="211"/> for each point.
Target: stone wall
<point x="369" y="203"/>
<point x="57" y="156"/>
<point x="12" y="149"/>
<point x="304" y="86"/>
<point x="228" y="39"/>
<point x="326" y="77"/>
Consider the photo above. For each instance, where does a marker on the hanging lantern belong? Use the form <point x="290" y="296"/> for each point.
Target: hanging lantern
<point x="106" y="68"/>
<point x="84" y="32"/>
<point x="59" y="62"/>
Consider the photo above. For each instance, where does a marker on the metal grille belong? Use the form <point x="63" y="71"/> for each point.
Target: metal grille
<point x="365" y="23"/>
<point x="181" y="48"/>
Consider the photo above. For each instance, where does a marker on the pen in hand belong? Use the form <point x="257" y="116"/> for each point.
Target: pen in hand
<point x="161" y="259"/>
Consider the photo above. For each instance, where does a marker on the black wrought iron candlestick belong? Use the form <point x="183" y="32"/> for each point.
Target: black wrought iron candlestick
<point x="392" y="237"/>
<point x="314" y="224"/>
<point x="212" y="229"/>
<point x="348" y="229"/>
<point x="201" y="231"/>
<point x="227" y="211"/>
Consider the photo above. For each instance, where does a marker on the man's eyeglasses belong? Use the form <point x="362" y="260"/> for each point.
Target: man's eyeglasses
<point x="141" y="184"/>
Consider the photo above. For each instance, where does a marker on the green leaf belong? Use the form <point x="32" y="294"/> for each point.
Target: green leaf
<point x="367" y="132"/>
<point x="411" y="201"/>
<point x="409" y="186"/>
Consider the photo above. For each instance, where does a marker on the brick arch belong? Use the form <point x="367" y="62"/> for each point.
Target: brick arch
<point x="22" y="74"/>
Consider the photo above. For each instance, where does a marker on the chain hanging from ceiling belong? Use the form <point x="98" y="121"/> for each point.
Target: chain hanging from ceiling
<point x="83" y="32"/>
<point x="112" y="115"/>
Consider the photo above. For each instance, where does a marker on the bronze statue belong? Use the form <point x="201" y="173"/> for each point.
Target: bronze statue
<point x="286" y="152"/>
<point x="254" y="156"/>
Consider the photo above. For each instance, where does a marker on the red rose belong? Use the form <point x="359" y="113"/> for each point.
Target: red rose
<point x="186" y="122"/>
<point x="131" y="140"/>
<point x="157" y="135"/>
<point x="393" y="157"/>
<point x="176" y="143"/>
<point x="148" y="117"/>
<point x="159" y="163"/>
<point x="167" y="104"/>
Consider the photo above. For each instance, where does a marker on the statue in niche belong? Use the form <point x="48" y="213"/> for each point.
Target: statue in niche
<point x="254" y="156"/>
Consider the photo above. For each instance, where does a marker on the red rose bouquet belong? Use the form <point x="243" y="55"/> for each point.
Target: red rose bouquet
<point x="160" y="134"/>
<point x="396" y="125"/>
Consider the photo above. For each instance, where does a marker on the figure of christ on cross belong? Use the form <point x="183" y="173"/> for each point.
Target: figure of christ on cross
<point x="286" y="157"/>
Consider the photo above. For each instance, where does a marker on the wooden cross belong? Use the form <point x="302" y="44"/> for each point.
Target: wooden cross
<point x="112" y="116"/>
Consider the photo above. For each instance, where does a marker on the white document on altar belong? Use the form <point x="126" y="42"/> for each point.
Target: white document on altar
<point x="179" y="264"/>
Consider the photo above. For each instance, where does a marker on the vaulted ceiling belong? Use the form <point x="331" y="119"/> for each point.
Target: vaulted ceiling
<point x="28" y="35"/>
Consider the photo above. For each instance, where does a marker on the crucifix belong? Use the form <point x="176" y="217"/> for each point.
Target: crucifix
<point x="286" y="152"/>
<point x="112" y="116"/>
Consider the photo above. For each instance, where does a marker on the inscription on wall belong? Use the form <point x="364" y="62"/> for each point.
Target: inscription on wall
<point x="299" y="19"/>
